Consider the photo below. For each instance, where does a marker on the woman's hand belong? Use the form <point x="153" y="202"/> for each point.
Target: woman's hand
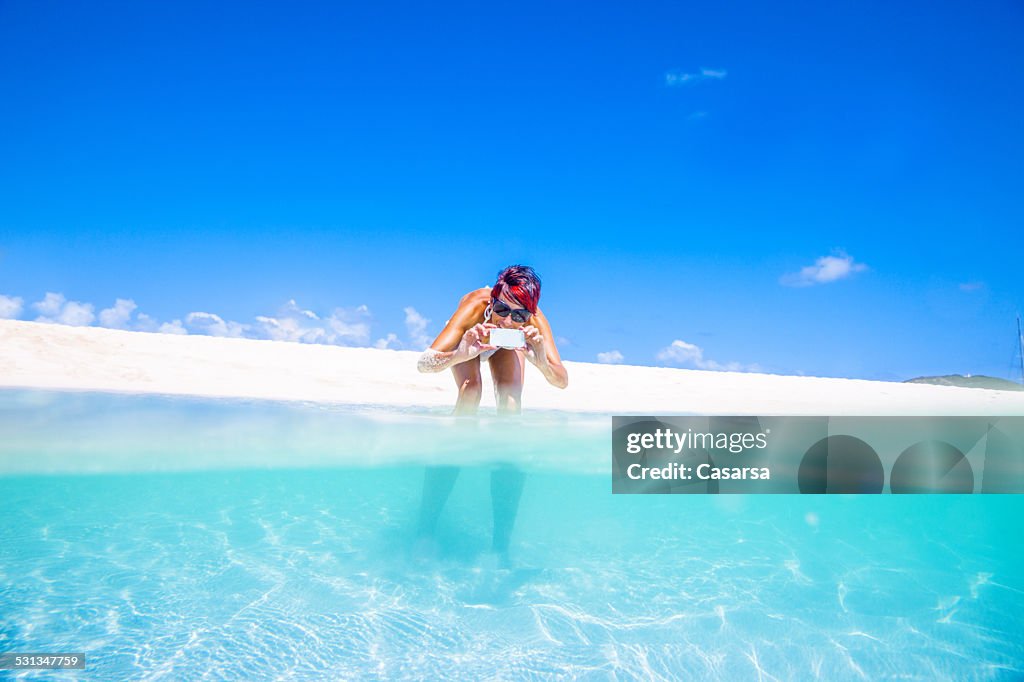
<point x="473" y="344"/>
<point x="535" y="351"/>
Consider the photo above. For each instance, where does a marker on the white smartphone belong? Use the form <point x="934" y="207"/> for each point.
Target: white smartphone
<point x="507" y="338"/>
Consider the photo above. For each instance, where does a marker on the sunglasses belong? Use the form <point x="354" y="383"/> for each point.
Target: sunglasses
<point x="502" y="309"/>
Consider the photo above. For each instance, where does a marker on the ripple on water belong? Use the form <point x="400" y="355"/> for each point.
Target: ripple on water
<point x="292" y="573"/>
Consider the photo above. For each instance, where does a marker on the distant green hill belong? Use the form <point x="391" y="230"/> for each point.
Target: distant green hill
<point x="969" y="382"/>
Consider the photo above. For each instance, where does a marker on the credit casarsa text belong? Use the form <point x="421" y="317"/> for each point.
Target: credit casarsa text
<point x="701" y="472"/>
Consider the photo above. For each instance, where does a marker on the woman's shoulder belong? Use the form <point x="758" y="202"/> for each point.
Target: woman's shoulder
<point x="476" y="297"/>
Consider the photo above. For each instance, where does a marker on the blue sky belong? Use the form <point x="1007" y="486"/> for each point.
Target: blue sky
<point x="669" y="169"/>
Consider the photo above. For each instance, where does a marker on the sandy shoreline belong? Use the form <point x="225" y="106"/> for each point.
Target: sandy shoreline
<point x="48" y="356"/>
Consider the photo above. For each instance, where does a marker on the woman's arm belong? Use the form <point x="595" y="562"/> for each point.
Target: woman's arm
<point x="543" y="353"/>
<point x="459" y="341"/>
<point x="471" y="345"/>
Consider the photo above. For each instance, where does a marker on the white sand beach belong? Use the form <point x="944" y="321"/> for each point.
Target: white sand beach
<point x="49" y="356"/>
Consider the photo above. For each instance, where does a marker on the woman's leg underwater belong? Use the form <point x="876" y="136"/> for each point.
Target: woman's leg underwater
<point x="438" y="481"/>
<point x="507" y="370"/>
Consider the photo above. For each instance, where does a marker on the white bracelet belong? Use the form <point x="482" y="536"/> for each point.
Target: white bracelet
<point x="431" y="361"/>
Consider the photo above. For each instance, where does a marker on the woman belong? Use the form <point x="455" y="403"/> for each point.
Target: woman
<point x="510" y="304"/>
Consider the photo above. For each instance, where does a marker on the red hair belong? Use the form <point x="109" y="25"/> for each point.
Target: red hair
<point x="520" y="283"/>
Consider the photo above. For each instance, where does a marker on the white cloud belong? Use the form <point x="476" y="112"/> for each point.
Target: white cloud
<point x="287" y="329"/>
<point x="173" y="327"/>
<point x="291" y="324"/>
<point x="76" y="314"/>
<point x="612" y="357"/>
<point x="344" y="326"/>
<point x="347" y="327"/>
<point x="50" y="305"/>
<point x="214" y="325"/>
<point x="681" y="353"/>
<point x="826" y="269"/>
<point x="676" y="78"/>
<point x="145" y="323"/>
<point x="686" y="354"/>
<point x="968" y="287"/>
<point x="118" y="316"/>
<point x="10" y="307"/>
<point x="416" y="325"/>
<point x="390" y="341"/>
<point x="54" y="308"/>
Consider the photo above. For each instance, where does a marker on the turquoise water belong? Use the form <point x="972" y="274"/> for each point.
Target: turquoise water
<point x="299" y="561"/>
